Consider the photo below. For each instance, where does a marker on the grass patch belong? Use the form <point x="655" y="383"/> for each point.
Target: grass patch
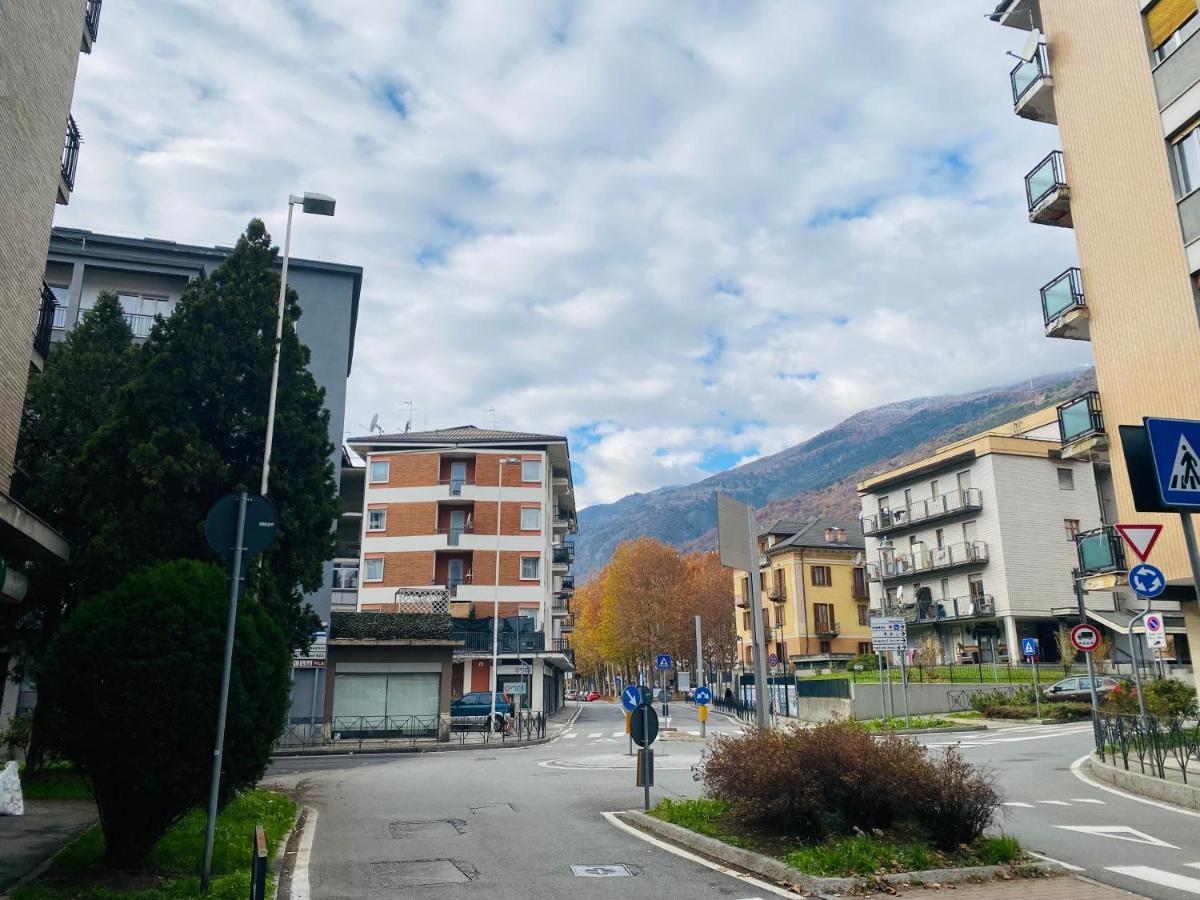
<point x="710" y="818"/>
<point x="899" y="722"/>
<point x="973" y="714"/>
<point x="999" y="851"/>
<point x="172" y="865"/>
<point x="56" y="781"/>
<point x="861" y="855"/>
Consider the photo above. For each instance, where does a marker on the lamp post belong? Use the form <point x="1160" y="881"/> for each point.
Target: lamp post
<point x="317" y="205"/>
<point x="505" y="460"/>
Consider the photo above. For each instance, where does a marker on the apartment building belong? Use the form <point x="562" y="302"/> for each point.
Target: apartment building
<point x="484" y="516"/>
<point x="814" y="592"/>
<point x="975" y="544"/>
<point x="39" y="153"/>
<point x="1116" y="85"/>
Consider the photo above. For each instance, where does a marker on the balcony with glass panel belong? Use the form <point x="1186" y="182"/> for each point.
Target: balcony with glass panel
<point x="1064" y="309"/>
<point x="1100" y="551"/>
<point x="1033" y="88"/>
<point x="919" y="512"/>
<point x="1047" y="194"/>
<point x="1081" y="427"/>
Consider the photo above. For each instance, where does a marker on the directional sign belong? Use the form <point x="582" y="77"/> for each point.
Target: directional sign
<point x="663" y="662"/>
<point x="1140" y="538"/>
<point x="1029" y="647"/>
<point x="644" y="726"/>
<point x="1085" y="638"/>
<point x="1147" y="580"/>
<point x="703" y="696"/>
<point x="1156" y="633"/>
<point x="888" y="633"/>
<point x="1174" y="444"/>
<point x="631" y="698"/>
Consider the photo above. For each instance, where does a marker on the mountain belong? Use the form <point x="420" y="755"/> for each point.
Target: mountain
<point x="817" y="477"/>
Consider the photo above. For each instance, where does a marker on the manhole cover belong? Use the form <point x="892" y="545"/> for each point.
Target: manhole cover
<point x="600" y="871"/>
<point x="491" y="809"/>
<point x="421" y="872"/>
<point x="431" y="828"/>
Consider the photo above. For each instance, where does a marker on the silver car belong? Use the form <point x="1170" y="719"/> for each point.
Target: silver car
<point x="1078" y="687"/>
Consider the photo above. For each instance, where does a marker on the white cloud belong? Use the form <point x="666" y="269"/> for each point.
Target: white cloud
<point x="687" y="234"/>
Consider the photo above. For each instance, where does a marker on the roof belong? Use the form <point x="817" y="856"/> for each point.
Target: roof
<point x="459" y="434"/>
<point x="1118" y="621"/>
<point x="812" y="534"/>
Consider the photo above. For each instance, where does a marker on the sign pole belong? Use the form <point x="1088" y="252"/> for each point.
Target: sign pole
<point x="1189" y="536"/>
<point x="1133" y="658"/>
<point x="882" y="691"/>
<point x="646" y="749"/>
<point x="904" y="687"/>
<point x="757" y="631"/>
<point x="1088" y="656"/>
<point x="235" y="582"/>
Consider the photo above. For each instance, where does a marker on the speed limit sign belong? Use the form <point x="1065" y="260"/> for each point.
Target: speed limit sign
<point x="1085" y="638"/>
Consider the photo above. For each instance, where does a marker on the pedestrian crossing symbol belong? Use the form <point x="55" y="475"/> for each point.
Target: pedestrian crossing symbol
<point x="1185" y="476"/>
<point x="1173" y="444"/>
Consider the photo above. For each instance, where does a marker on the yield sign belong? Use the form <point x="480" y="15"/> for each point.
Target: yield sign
<point x="1140" y="538"/>
<point x="1120" y="832"/>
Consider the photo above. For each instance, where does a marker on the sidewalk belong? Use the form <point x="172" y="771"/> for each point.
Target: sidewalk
<point x="1066" y="887"/>
<point x="31" y="839"/>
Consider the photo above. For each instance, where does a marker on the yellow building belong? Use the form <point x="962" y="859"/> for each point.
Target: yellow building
<point x="814" y="589"/>
<point x="1117" y="85"/>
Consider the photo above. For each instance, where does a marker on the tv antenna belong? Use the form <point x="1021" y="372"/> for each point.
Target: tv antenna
<point x="492" y="410"/>
<point x="411" y="410"/>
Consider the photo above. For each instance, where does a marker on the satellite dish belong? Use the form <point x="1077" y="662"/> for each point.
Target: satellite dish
<point x="375" y="426"/>
<point x="858" y="559"/>
<point x="900" y="591"/>
<point x="1029" y="51"/>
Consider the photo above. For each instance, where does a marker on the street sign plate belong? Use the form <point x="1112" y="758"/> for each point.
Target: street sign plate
<point x="888" y="633"/>
<point x="1029" y="647"/>
<point x="644" y="726"/>
<point x="515" y="687"/>
<point x="220" y="526"/>
<point x="1139" y="538"/>
<point x="631" y="698"/>
<point x="1147" y="580"/>
<point x="1156" y="632"/>
<point x="703" y="695"/>
<point x="1174" y="444"/>
<point x="1085" y="638"/>
<point x="663" y="662"/>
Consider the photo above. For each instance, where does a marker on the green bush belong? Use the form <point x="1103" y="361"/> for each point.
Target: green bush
<point x="1168" y="698"/>
<point x="15" y="738"/>
<point x="135" y="674"/>
<point x="999" y="851"/>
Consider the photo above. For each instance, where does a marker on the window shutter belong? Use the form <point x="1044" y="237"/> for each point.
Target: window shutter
<point x="1166" y="16"/>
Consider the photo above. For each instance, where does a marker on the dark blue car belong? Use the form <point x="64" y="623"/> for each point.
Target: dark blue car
<point x="474" y="709"/>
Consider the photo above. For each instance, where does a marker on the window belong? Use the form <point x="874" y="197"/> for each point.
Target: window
<point x="780" y="614"/>
<point x="1072" y="526"/>
<point x="531" y="470"/>
<point x="140" y="310"/>
<point x="374" y="568"/>
<point x="933" y="486"/>
<point x="939" y="538"/>
<point x="745" y="620"/>
<point x="1175" y="38"/>
<point x="529" y="568"/>
<point x="826" y="647"/>
<point x="964" y="480"/>
<point x="822" y="576"/>
<point x="883" y="504"/>
<point x="864" y="615"/>
<point x="779" y="590"/>
<point x="746" y="589"/>
<point x="1186" y="151"/>
<point x="945" y="587"/>
<point x="380" y="471"/>
<point x="762" y="581"/>
<point x="1066" y="480"/>
<point x="864" y="648"/>
<point x="376" y="520"/>
<point x="531" y="518"/>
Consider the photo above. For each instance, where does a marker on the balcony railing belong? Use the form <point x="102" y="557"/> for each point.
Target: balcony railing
<point x="456" y="485"/>
<point x="1025" y="75"/>
<point x="507" y="641"/>
<point x="826" y="628"/>
<point x="564" y="554"/>
<point x="70" y="154"/>
<point x="1033" y="88"/>
<point x="560" y="604"/>
<point x="92" y="18"/>
<point x="905" y="565"/>
<point x="45" y="322"/>
<point x="1080" y="418"/>
<point x="948" y="504"/>
<point x="1100" y="550"/>
<point x="139" y="323"/>
<point x="454" y="532"/>
<point x="1062" y="295"/>
<point x="1046" y="192"/>
<point x="972" y="607"/>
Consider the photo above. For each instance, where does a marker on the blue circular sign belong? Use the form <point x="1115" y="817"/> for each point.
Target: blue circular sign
<point x="1147" y="580"/>
<point x="631" y="698"/>
<point x="703" y="695"/>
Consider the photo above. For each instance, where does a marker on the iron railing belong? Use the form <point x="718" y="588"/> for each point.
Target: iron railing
<point x="903" y="565"/>
<point x="340" y="732"/>
<point x="1047" y="177"/>
<point x="509" y="642"/>
<point x="564" y="553"/>
<point x="70" y="154"/>
<point x="948" y="504"/>
<point x="1062" y="294"/>
<point x="1026" y="74"/>
<point x="970" y="607"/>
<point x="455" y="532"/>
<point x="1157" y="746"/>
<point x="1100" y="550"/>
<point x="826" y="628"/>
<point x="139" y="323"/>
<point x="1080" y="417"/>
<point x="92" y="18"/>
<point x="45" y="322"/>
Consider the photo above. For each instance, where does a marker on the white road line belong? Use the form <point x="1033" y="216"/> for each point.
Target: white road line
<point x="693" y="732"/>
<point x="1077" y="771"/>
<point x="596" y="734"/>
<point x="570" y="735"/>
<point x="1057" y="862"/>
<point x="618" y="734"/>
<point x="1158" y="876"/>
<point x="1120" y="833"/>
<point x="1018" y="803"/>
<point x="707" y="863"/>
<point x="1054" y="802"/>
<point x="1086" y="800"/>
<point x="301" y="889"/>
<point x="1192" y="865"/>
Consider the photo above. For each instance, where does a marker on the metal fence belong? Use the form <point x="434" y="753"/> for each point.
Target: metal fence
<point x="981" y="672"/>
<point x="395" y="731"/>
<point x="1157" y="746"/>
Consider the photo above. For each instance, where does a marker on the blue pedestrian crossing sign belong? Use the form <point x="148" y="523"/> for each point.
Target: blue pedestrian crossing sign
<point x="1147" y="580"/>
<point x="631" y="698"/>
<point x="663" y="662"/>
<point x="703" y="696"/>
<point x="1029" y="647"/>
<point x="1175" y="447"/>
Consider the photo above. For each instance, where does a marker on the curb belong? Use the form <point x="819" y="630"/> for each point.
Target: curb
<point x="281" y="851"/>
<point x="953" y="729"/>
<point x="382" y="751"/>
<point x="1186" y="796"/>
<point x="780" y="873"/>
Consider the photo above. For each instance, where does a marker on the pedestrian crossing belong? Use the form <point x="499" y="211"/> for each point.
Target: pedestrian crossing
<point x="1186" y="883"/>
<point x="598" y="737"/>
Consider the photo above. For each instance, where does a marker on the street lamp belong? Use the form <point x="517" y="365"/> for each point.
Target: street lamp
<point x="504" y="460"/>
<point x="317" y="205"/>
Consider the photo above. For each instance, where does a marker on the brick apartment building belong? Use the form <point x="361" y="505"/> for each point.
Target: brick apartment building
<point x="428" y="519"/>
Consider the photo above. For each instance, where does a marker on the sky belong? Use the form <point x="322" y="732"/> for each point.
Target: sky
<point x="684" y="234"/>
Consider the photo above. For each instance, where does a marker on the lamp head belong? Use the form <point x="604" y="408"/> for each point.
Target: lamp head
<point x="318" y="204"/>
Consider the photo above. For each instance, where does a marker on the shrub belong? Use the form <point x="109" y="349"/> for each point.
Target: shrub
<point x="1122" y="698"/>
<point x="998" y="851"/>
<point x="15" y="738"/>
<point x="135" y="674"/>
<point x="958" y="802"/>
<point x="1069" y="711"/>
<point x="1168" y="698"/>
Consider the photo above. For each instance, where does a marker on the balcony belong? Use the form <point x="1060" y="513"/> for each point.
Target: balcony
<point x="1047" y="194"/>
<point x="508" y="642"/>
<point x="70" y="160"/>
<point x="345" y="584"/>
<point x="973" y="607"/>
<point x="91" y="26"/>
<point x="1081" y="426"/>
<point x="454" y="533"/>
<point x="826" y="628"/>
<point x="1033" y="88"/>
<point x="44" y="327"/>
<point x="943" y="507"/>
<point x="1100" y="550"/>
<point x="560" y="606"/>
<point x="561" y="645"/>
<point x="912" y="565"/>
<point x="139" y="323"/>
<point x="565" y="521"/>
<point x="564" y="554"/>
<point x="456" y="485"/>
<point x="1063" y="308"/>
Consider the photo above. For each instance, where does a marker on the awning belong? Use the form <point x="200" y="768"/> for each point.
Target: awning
<point x="1119" y="621"/>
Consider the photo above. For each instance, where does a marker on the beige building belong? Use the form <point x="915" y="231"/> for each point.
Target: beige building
<point x="1119" y="82"/>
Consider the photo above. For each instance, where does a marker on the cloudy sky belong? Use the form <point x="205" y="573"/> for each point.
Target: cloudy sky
<point x="683" y="233"/>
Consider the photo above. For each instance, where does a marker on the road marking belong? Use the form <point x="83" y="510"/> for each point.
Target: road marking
<point x="1086" y="800"/>
<point x="596" y="734"/>
<point x="618" y="734"/>
<point x="1158" y="876"/>
<point x="707" y="863"/>
<point x="693" y="732"/>
<point x="1192" y="865"/>
<point x="1120" y="833"/>
<point x="1057" y="862"/>
<point x="1054" y="802"/>
<point x="1077" y="771"/>
<point x="572" y="734"/>
<point x="301" y="888"/>
<point x="1019" y="804"/>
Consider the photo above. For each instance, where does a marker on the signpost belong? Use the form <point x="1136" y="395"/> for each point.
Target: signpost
<point x="631" y="699"/>
<point x="703" y="697"/>
<point x="738" y="546"/>
<point x="1156" y="635"/>
<point x="1139" y="538"/>
<point x="1029" y="650"/>
<point x="889" y="635"/>
<point x="1147" y="581"/>
<point x="644" y="732"/>
<point x="662" y="662"/>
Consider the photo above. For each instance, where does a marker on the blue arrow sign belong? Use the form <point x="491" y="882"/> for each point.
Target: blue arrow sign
<point x="631" y="698"/>
<point x="1175" y="447"/>
<point x="1147" y="580"/>
<point x="1029" y="647"/>
<point x="703" y="696"/>
<point x="663" y="662"/>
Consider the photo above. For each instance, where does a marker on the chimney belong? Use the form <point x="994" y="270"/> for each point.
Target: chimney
<point x="841" y="535"/>
<point x="829" y="535"/>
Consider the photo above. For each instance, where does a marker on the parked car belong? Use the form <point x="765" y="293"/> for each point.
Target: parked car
<point x="592" y="695"/>
<point x="571" y="695"/>
<point x="475" y="708"/>
<point x="1079" y="688"/>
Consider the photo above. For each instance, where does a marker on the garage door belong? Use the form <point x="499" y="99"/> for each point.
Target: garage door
<point x="385" y="704"/>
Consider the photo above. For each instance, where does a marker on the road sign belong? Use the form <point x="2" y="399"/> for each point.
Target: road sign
<point x="1173" y="444"/>
<point x="618" y="679"/>
<point x="703" y="695"/>
<point x="1085" y="638"/>
<point x="631" y="698"/>
<point x="515" y="687"/>
<point x="662" y="662"/>
<point x="1140" y="538"/>
<point x="1156" y="632"/>
<point x="1029" y="647"/>
<point x="773" y="660"/>
<point x="220" y="526"/>
<point x="1147" y="580"/>
<point x="888" y="633"/>
<point x="644" y="727"/>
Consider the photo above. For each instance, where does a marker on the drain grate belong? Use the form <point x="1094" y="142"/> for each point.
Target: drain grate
<point x="434" y="828"/>
<point x="600" y="871"/>
<point x="422" y="873"/>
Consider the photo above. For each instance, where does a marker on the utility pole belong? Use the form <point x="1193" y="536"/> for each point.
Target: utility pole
<point x="1088" y="656"/>
<point x="757" y="631"/>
